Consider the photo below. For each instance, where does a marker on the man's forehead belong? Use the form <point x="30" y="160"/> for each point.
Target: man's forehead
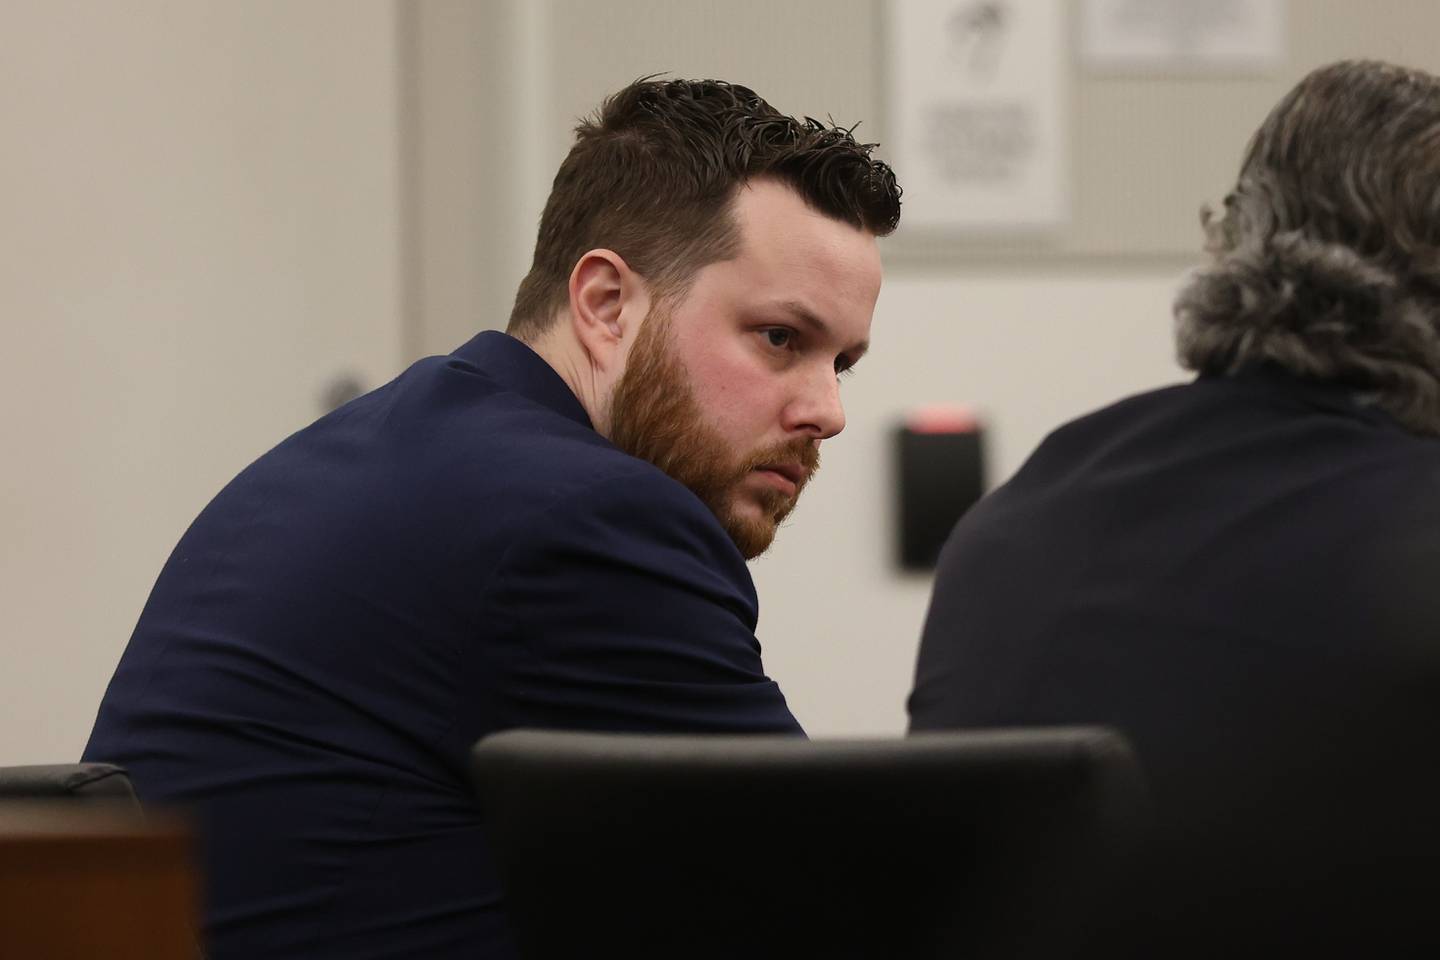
<point x="778" y="230"/>
<point x="766" y="206"/>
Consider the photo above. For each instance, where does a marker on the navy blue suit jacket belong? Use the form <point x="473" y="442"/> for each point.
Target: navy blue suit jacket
<point x="455" y="553"/>
<point x="1241" y="574"/>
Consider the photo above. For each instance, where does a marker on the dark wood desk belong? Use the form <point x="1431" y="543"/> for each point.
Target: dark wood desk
<point x="85" y="880"/>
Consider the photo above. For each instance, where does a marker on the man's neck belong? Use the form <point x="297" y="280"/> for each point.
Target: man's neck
<point x="558" y="347"/>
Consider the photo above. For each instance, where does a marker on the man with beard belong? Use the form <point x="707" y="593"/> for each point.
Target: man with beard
<point x="548" y="528"/>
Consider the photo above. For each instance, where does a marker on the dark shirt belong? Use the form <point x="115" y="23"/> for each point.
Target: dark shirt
<point x="455" y="553"/>
<point x="1241" y="574"/>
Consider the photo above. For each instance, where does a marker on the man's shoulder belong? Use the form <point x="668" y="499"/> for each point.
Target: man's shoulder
<point x="556" y="465"/>
<point x="1079" y="443"/>
<point x="1216" y="447"/>
<point x="615" y="507"/>
<point x="448" y="425"/>
<point x="1135" y="408"/>
<point x="526" y="473"/>
<point x="465" y="460"/>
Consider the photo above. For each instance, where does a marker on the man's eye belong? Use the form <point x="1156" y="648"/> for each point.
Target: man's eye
<point x="778" y="336"/>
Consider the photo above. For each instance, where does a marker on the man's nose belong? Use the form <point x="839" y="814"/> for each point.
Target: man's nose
<point x="817" y="409"/>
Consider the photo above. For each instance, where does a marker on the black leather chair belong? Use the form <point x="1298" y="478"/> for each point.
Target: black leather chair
<point x="98" y="782"/>
<point x="977" y="844"/>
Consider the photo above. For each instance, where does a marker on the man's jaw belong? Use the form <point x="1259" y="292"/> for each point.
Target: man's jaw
<point x="763" y="494"/>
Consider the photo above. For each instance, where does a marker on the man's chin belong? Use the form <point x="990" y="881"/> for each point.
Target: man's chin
<point x="752" y="523"/>
<point x="752" y="535"/>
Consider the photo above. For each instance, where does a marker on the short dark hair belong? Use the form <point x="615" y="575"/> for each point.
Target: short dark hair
<point x="652" y="174"/>
<point x="1328" y="254"/>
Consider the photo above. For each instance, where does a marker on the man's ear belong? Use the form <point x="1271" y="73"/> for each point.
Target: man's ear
<point x="608" y="301"/>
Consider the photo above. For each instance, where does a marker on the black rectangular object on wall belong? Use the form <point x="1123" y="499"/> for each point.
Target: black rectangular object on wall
<point x="940" y="474"/>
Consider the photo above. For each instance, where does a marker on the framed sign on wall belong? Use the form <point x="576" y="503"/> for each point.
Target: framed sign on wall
<point x="977" y="121"/>
<point x="1181" y="36"/>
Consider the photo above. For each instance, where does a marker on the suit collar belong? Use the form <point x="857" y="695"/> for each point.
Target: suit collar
<point x="513" y="365"/>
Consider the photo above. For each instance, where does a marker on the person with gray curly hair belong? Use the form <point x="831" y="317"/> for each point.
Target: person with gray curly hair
<point x="1328" y="254"/>
<point x="1239" y="572"/>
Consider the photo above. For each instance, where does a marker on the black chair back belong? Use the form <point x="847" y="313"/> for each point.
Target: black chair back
<point x="976" y="844"/>
<point x="74" y="781"/>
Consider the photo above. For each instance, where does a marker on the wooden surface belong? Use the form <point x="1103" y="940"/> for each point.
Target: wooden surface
<point x="83" y="880"/>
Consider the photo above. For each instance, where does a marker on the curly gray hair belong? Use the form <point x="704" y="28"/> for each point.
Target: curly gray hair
<point x="1327" y="259"/>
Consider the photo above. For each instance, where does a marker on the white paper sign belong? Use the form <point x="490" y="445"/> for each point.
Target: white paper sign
<point x="976" y="118"/>
<point x="1188" y="35"/>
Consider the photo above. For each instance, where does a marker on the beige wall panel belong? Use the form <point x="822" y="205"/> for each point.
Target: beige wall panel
<point x="198" y="234"/>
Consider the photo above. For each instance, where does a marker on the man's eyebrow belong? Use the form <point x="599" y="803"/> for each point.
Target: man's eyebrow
<point x="806" y="316"/>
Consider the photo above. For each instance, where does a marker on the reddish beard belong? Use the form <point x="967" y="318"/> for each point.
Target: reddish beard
<point x="654" y="416"/>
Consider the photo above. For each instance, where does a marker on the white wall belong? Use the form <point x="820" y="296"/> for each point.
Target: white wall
<point x="198" y="228"/>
